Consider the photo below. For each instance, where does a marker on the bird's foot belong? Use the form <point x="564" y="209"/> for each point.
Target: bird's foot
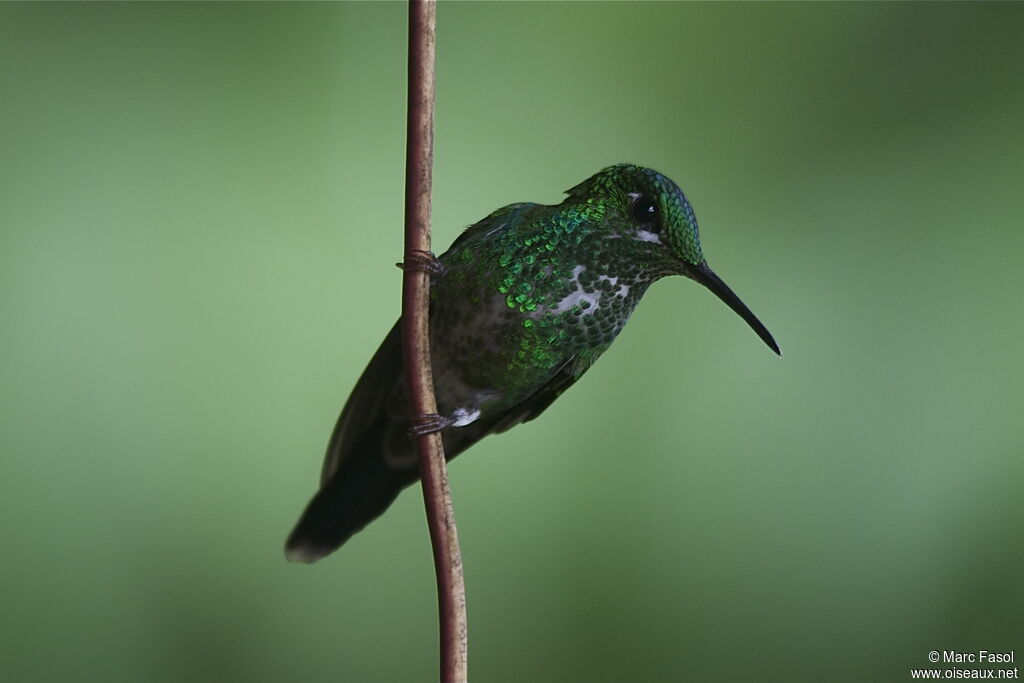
<point x="424" y="261"/>
<point x="428" y="424"/>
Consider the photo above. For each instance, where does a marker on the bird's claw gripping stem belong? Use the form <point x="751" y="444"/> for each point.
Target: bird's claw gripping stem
<point x="419" y="259"/>
<point x="428" y="424"/>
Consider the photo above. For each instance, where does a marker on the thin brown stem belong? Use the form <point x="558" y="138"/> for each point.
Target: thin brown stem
<point x="419" y="159"/>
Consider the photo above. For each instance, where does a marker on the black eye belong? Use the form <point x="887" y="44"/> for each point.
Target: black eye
<point x="644" y="210"/>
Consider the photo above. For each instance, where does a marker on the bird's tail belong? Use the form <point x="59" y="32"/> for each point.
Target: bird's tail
<point x="362" y="488"/>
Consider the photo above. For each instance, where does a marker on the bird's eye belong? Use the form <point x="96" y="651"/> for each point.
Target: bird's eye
<point x="644" y="210"/>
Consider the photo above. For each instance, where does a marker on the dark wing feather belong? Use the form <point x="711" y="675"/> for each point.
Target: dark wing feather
<point x="458" y="440"/>
<point x="356" y="485"/>
<point x="366" y="402"/>
<point x="539" y="401"/>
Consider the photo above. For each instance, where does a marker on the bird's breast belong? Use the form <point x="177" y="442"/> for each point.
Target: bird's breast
<point x="499" y="336"/>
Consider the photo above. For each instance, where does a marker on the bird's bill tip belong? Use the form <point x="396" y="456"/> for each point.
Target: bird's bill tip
<point x="705" y="276"/>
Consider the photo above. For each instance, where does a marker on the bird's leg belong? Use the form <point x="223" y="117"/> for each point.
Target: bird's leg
<point x="427" y="424"/>
<point x="418" y="259"/>
<point x="422" y="260"/>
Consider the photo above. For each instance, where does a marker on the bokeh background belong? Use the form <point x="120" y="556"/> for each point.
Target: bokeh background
<point x="200" y="206"/>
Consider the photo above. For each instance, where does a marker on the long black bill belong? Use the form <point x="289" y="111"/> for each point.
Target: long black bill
<point x="707" y="277"/>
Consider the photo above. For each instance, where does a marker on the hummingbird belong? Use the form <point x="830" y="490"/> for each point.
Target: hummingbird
<point x="521" y="305"/>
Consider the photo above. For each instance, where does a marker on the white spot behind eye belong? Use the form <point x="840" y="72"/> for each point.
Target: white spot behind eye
<point x="646" y="236"/>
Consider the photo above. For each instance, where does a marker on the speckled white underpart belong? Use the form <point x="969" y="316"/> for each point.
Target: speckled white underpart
<point x="577" y="295"/>
<point x="623" y="289"/>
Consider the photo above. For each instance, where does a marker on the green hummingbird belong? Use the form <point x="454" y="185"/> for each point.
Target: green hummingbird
<point x="522" y="304"/>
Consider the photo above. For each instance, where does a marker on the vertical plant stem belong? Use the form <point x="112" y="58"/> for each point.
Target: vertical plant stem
<point x="415" y="343"/>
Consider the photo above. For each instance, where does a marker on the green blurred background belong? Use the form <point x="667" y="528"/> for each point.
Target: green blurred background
<point x="199" y="209"/>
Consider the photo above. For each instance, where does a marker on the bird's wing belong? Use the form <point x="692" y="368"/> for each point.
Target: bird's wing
<point x="568" y="372"/>
<point x="366" y="403"/>
<point x="539" y="401"/>
<point x="529" y="408"/>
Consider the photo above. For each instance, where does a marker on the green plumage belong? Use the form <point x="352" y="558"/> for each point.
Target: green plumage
<point x="527" y="300"/>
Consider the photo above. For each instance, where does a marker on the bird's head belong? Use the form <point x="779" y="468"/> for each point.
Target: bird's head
<point x="647" y="208"/>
